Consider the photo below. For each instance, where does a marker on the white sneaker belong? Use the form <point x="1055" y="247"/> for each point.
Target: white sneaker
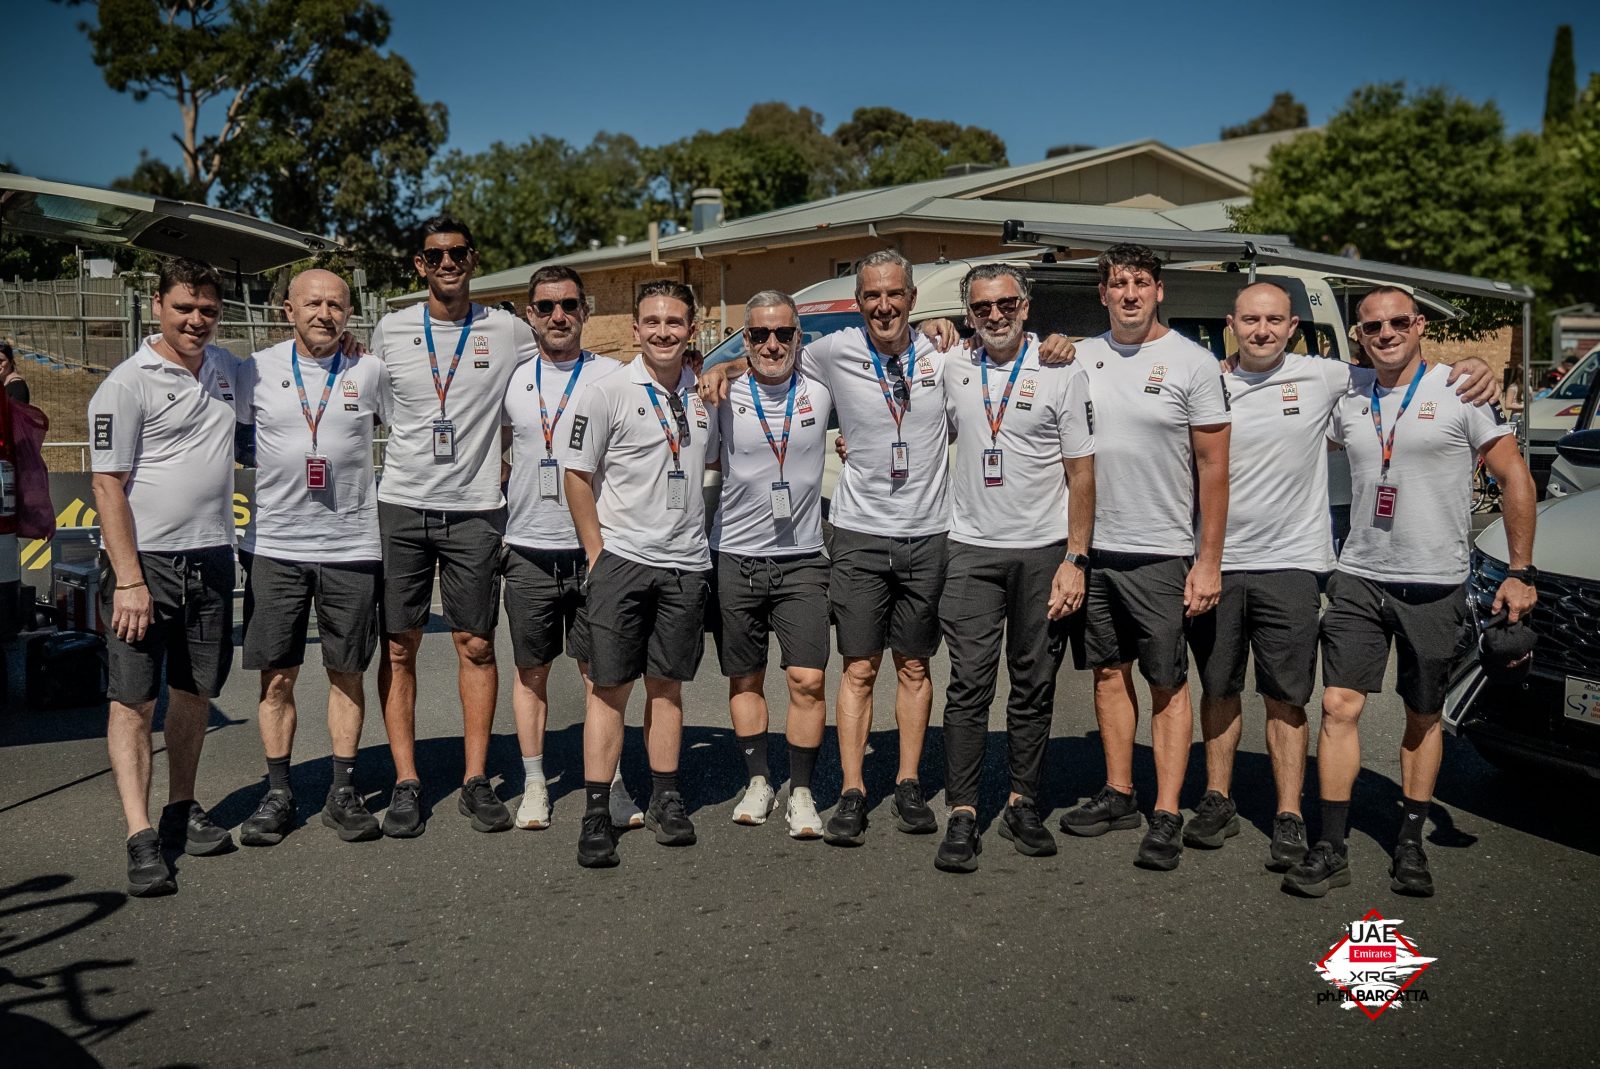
<point x="534" y="812"/>
<point x="804" y="821"/>
<point x="624" y="814"/>
<point x="756" y="803"/>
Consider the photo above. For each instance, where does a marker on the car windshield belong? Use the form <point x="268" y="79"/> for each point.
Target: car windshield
<point x="813" y="326"/>
<point x="1574" y="385"/>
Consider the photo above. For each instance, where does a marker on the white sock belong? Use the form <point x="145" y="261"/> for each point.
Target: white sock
<point x="533" y="768"/>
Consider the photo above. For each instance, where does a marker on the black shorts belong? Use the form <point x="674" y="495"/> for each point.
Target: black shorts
<point x="884" y="592"/>
<point x="642" y="620"/>
<point x="278" y="597"/>
<point x="191" y="626"/>
<point x="756" y="596"/>
<point x="467" y="549"/>
<point x="1133" y="611"/>
<point x="1429" y="622"/>
<point x="544" y="602"/>
<point x="1273" y="615"/>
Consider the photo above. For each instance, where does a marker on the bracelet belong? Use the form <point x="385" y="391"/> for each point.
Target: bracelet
<point x="130" y="586"/>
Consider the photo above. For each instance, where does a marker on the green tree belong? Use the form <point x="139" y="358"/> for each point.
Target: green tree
<point x="1561" y="89"/>
<point x="1427" y="180"/>
<point x="887" y="147"/>
<point x="826" y="159"/>
<point x="1571" y="172"/>
<point x="1284" y="113"/>
<point x="756" y="174"/>
<point x="156" y="178"/>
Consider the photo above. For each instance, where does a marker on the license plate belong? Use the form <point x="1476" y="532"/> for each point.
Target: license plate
<point x="1583" y="700"/>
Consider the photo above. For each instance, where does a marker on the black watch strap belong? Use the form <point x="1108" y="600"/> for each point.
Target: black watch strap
<point x="1529" y="575"/>
<point x="1081" y="560"/>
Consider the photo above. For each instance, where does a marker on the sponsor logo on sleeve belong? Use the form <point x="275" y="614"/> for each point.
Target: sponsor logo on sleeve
<point x="102" y="431"/>
<point x="580" y="427"/>
<point x="1227" y="402"/>
<point x="1088" y="414"/>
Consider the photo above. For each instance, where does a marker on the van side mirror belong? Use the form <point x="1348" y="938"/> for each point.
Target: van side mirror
<point x="1581" y="448"/>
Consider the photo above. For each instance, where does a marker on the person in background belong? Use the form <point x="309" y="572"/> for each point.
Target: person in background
<point x="16" y="386"/>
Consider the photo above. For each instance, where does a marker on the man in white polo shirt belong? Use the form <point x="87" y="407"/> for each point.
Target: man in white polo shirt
<point x="162" y="442"/>
<point x="545" y="566"/>
<point x="1018" y="553"/>
<point x="1412" y="443"/>
<point x="1162" y="418"/>
<point x="314" y="543"/>
<point x="771" y="571"/>
<point x="644" y="439"/>
<point x="440" y="508"/>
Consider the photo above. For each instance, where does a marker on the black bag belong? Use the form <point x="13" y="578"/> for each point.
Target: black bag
<point x="66" y="670"/>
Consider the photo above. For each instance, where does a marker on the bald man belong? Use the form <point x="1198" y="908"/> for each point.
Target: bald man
<point x="314" y="543"/>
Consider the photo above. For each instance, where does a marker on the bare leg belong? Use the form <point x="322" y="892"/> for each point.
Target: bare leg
<point x="663" y="730"/>
<point x="855" y="717"/>
<point x="1171" y="732"/>
<point x="1221" y="723"/>
<point x="184" y="734"/>
<point x="531" y="706"/>
<point x="602" y="731"/>
<point x="1421" y="750"/>
<point x="1339" y="743"/>
<point x="1287" y="739"/>
<point x="1116" y="708"/>
<point x="128" y="743"/>
<point x="478" y="679"/>
<point x="747" y="703"/>
<point x="276" y="711"/>
<point x="397" y="689"/>
<point x="913" y="704"/>
<point x="808" y="707"/>
<point x="346" y="711"/>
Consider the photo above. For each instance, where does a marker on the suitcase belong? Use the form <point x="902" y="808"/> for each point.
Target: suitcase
<point x="66" y="670"/>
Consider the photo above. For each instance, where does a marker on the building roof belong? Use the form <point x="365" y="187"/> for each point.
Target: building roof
<point x="1241" y="157"/>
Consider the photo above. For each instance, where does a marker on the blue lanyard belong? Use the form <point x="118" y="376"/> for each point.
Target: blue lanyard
<point x="548" y="424"/>
<point x="672" y="443"/>
<point x="897" y="414"/>
<point x="1387" y="447"/>
<point x="433" y="359"/>
<point x="327" y="390"/>
<point x="995" y="419"/>
<point x="781" y="452"/>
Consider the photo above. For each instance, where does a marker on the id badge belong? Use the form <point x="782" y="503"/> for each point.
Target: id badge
<point x="316" y="472"/>
<point x="993" y="468"/>
<point x="549" y="477"/>
<point x="677" y="490"/>
<point x="1383" y="507"/>
<point x="444" y="439"/>
<point x="782" y="508"/>
<point x="899" y="460"/>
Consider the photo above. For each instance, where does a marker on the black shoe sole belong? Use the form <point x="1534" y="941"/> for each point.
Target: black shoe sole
<point x="352" y="835"/>
<point x="911" y="828"/>
<point x="944" y="865"/>
<point x="1284" y="864"/>
<point x="1157" y="864"/>
<point x="212" y="849"/>
<point x="1215" y="840"/>
<point x="1026" y="848"/>
<point x="1088" y="831"/>
<point x="835" y="838"/>
<point x="262" y="838"/>
<point x="158" y="889"/>
<point x="603" y="861"/>
<point x="391" y="831"/>
<point x="1319" y="888"/>
<point x="478" y="823"/>
<point x="681" y="839"/>
<point x="1410" y="890"/>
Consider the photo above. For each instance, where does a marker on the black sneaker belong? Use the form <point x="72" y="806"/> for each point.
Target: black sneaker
<point x="848" y="825"/>
<point x="1323" y="869"/>
<point x="1021" y="824"/>
<point x="962" y="844"/>
<point x="148" y="875"/>
<point x="346" y="813"/>
<point x="597" y="842"/>
<point x="1216" y="819"/>
<point x="1408" y="872"/>
<point x="273" y="819"/>
<point x="1110" y="810"/>
<point x="1288" y="842"/>
<point x="479" y="802"/>
<point x="185" y="826"/>
<point x="404" y="820"/>
<point x="911" y="813"/>
<point x="669" y="819"/>
<point x="1162" y="847"/>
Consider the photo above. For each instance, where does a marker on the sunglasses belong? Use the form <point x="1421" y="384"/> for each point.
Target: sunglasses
<point x="897" y="382"/>
<point x="568" y="305"/>
<point x="759" y="335"/>
<point x="459" y="254"/>
<point x="1401" y="324"/>
<point x="1008" y="306"/>
<point x="681" y="417"/>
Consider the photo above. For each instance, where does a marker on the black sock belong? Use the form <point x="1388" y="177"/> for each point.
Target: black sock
<point x="754" y="749"/>
<point x="1335" y="817"/>
<point x="344" y="772"/>
<point x="1411" y="823"/>
<point x="278" y="773"/>
<point x="802" y="761"/>
<point x="596" y="797"/>
<point x="662" y="782"/>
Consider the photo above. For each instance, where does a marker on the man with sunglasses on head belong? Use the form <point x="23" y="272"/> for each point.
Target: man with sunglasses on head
<point x="1401" y="576"/>
<point x="643" y="440"/>
<point x="545" y="565"/>
<point x="771" y="571"/>
<point x="440" y="508"/>
<point x="1019" y="549"/>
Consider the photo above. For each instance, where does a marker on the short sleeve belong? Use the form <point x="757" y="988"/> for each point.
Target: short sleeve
<point x="815" y="357"/>
<point x="244" y="390"/>
<point x="1076" y="419"/>
<point x="116" y="422"/>
<point x="524" y="340"/>
<point x="1207" y="398"/>
<point x="590" y="431"/>
<point x="1483" y="425"/>
<point x="375" y="340"/>
<point x="385" y="396"/>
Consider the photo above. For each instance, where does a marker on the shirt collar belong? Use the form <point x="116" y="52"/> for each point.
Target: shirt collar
<point x="148" y="358"/>
<point x="640" y="373"/>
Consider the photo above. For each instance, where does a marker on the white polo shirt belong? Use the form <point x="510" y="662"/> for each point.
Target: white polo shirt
<point x="1146" y="398"/>
<point x="745" y="524"/>
<point x="537" y="522"/>
<point x="470" y="481"/>
<point x="1278" y="464"/>
<point x="1436" y="443"/>
<point x="173" y="434"/>
<point x="618" y="437"/>
<point x="339" y="524"/>
<point x="1049" y="417"/>
<point x="867" y="499"/>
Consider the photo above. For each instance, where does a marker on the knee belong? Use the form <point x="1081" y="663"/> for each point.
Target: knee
<point x="277" y="688"/>
<point x="754" y="683"/>
<point x="1418" y="727"/>
<point x="138" y="715"/>
<point x="534" y="679"/>
<point x="1341" y="709"/>
<point x="401" y="650"/>
<point x="861" y="672"/>
<point x="912" y="671"/>
<point x="475" y="650"/>
<point x="806" y="683"/>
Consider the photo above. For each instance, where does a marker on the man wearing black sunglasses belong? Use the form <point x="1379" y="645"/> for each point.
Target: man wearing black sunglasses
<point x="440" y="508"/>
<point x="643" y="440"/>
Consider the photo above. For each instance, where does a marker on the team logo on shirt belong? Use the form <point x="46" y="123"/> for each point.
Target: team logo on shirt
<point x="352" y="408"/>
<point x="802" y="402"/>
<point x="1152" y="389"/>
<point x="480" y="345"/>
<point x="222" y="383"/>
<point x="1158" y="373"/>
<point x="102" y="431"/>
<point x="808" y="422"/>
<point x="1290" y="391"/>
<point x="1428" y="410"/>
<point x="580" y="426"/>
<point x="1027" y="387"/>
<point x="172" y="397"/>
<point x="1291" y="411"/>
<point x="350" y="389"/>
<point x="285" y="384"/>
<point x="1088" y="414"/>
<point x="480" y="364"/>
<point x="924" y="365"/>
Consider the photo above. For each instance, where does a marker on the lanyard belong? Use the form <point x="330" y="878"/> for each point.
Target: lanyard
<point x="996" y="418"/>
<point x="1377" y="417"/>
<point x="433" y="358"/>
<point x="779" y="451"/>
<point x="545" y="421"/>
<point x="897" y="414"/>
<point x="672" y="443"/>
<point x="327" y="389"/>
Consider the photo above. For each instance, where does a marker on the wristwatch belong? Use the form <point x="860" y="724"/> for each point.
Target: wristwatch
<point x="1079" y="559"/>
<point x="1529" y="575"/>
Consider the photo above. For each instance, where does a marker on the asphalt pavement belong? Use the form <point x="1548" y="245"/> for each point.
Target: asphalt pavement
<point x="753" y="949"/>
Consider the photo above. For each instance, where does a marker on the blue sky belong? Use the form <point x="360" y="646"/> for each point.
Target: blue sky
<point x="1037" y="74"/>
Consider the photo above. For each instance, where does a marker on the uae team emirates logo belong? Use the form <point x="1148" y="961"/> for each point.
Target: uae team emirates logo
<point x="1373" y="967"/>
